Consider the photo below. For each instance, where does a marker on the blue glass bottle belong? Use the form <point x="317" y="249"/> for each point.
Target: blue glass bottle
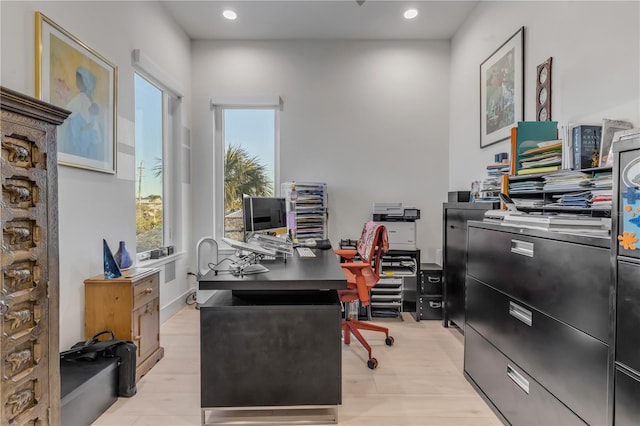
<point x="111" y="269"/>
<point x="122" y="257"/>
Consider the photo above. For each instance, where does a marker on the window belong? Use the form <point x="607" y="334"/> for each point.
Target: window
<point x="153" y="127"/>
<point x="246" y="139"/>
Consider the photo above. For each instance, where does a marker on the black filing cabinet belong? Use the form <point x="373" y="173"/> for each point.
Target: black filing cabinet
<point x="430" y="289"/>
<point x="454" y="256"/>
<point x="537" y="324"/>
<point x="626" y="276"/>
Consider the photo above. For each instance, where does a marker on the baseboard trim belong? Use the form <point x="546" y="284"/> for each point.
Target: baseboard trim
<point x="174" y="306"/>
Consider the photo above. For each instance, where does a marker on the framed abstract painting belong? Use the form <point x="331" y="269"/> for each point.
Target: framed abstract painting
<point x="502" y="90"/>
<point x="73" y="76"/>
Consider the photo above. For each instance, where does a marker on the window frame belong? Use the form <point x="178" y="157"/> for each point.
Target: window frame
<point x="219" y="107"/>
<point x="171" y="144"/>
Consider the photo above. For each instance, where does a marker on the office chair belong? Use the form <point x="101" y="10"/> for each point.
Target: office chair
<point x="361" y="276"/>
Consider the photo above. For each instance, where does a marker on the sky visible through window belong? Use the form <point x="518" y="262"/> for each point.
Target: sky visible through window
<point x="254" y="131"/>
<point x="251" y="129"/>
<point x="148" y="127"/>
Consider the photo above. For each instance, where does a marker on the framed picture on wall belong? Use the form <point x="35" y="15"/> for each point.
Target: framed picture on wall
<point x="502" y="90"/>
<point x="73" y="76"/>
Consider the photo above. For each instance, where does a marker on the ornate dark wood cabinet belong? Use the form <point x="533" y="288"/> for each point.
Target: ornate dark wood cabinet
<point x="29" y="363"/>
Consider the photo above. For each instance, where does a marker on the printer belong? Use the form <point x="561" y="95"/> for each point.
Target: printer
<point x="400" y="221"/>
<point x="383" y="212"/>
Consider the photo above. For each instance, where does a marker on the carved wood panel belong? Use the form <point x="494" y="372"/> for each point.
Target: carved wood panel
<point x="29" y="362"/>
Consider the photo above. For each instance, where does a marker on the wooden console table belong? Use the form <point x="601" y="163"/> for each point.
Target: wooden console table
<point x="130" y="307"/>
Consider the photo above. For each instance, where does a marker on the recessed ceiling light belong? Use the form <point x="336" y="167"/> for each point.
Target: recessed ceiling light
<point x="410" y="13"/>
<point x="230" y="14"/>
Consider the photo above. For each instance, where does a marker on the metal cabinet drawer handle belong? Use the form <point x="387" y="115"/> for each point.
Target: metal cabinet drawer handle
<point x="518" y="379"/>
<point x="434" y="279"/>
<point x="520" y="313"/>
<point x="524" y="248"/>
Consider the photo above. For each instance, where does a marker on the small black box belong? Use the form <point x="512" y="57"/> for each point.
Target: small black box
<point x="430" y="279"/>
<point x="459" y="196"/>
<point x="430" y="307"/>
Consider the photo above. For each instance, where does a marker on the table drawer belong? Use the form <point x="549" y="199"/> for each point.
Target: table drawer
<point x="145" y="290"/>
<point x="520" y="398"/>
<point x="567" y="281"/>
<point x="570" y="364"/>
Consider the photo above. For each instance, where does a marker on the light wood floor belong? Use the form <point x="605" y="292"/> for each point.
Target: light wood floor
<point x="418" y="381"/>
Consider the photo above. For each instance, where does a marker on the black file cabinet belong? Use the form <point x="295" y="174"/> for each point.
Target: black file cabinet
<point x="626" y="263"/>
<point x="454" y="256"/>
<point x="430" y="289"/>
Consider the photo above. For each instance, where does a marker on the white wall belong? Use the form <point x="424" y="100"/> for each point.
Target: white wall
<point x="370" y="118"/>
<point x="92" y="205"/>
<point x="376" y="120"/>
<point x="595" y="46"/>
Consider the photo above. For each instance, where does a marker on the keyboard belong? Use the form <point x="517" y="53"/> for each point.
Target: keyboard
<point x="305" y="252"/>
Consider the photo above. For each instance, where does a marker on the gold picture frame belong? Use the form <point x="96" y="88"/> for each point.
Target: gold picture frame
<point x="72" y="75"/>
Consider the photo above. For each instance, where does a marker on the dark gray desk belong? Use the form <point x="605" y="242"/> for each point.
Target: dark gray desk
<point x="272" y="340"/>
<point x="322" y="272"/>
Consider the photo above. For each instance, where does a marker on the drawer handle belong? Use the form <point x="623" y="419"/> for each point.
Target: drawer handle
<point x="435" y="305"/>
<point x="520" y="313"/>
<point x="518" y="379"/>
<point x="148" y="290"/>
<point x="524" y="248"/>
<point x="434" y="279"/>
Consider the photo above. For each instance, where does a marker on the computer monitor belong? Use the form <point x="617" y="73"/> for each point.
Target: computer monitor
<point x="264" y="214"/>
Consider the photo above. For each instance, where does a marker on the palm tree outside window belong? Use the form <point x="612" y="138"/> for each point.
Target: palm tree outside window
<point x="249" y="161"/>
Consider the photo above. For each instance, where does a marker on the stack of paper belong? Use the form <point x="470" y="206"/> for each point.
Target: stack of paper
<point x="558" y="223"/>
<point x="601" y="199"/>
<point x="602" y="193"/>
<point x="567" y="180"/>
<point x="491" y="186"/>
<point x="526" y="186"/>
<point x="498" y="169"/>
<point x="530" y="203"/>
<point x="573" y="199"/>
<point x="543" y="157"/>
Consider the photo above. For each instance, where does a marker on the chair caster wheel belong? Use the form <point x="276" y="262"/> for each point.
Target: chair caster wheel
<point x="372" y="363"/>
<point x="389" y="341"/>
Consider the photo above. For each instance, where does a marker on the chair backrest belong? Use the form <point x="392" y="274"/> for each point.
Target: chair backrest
<point x="372" y="244"/>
